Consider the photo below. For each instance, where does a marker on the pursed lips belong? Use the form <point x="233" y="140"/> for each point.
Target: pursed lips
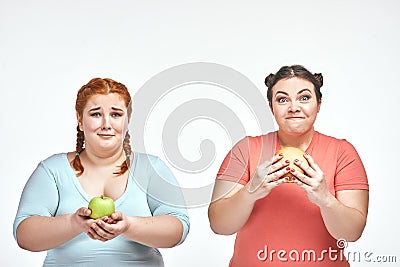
<point x="295" y="118"/>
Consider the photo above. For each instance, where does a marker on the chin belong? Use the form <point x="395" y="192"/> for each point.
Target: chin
<point x="296" y="132"/>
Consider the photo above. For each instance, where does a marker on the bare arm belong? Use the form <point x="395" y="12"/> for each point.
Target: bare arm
<point x="161" y="231"/>
<point x="229" y="213"/>
<point x="233" y="203"/>
<point x="345" y="216"/>
<point x="39" y="233"/>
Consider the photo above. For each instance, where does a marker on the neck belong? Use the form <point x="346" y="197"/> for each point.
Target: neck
<point x="301" y="141"/>
<point x="103" y="158"/>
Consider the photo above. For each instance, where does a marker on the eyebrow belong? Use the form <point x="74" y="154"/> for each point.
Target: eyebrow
<point x="94" y="109"/>
<point x="98" y="108"/>
<point x="301" y="91"/>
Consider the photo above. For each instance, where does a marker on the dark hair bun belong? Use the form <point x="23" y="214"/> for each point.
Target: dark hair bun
<point x="269" y="79"/>
<point x="319" y="78"/>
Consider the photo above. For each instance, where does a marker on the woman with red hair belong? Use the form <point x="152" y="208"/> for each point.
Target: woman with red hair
<point x="53" y="213"/>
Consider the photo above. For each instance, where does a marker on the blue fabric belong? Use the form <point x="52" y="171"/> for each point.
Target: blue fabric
<point x="53" y="189"/>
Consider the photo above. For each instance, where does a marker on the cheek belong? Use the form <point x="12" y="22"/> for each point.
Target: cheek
<point x="120" y="126"/>
<point x="279" y="111"/>
<point x="311" y="110"/>
<point x="90" y="124"/>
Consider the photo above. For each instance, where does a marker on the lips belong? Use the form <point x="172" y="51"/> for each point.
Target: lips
<point x="295" y="118"/>
<point x="105" y="135"/>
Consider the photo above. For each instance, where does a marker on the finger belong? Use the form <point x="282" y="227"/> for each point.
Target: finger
<point x="268" y="163"/>
<point x="302" y="178"/>
<point x="276" y="175"/>
<point x="117" y="216"/>
<point x="95" y="234"/>
<point x="83" y="211"/>
<point x="91" y="235"/>
<point x="305" y="167"/>
<point x="305" y="186"/>
<point x="273" y="184"/>
<point x="103" y="229"/>
<point x="312" y="163"/>
<point x="279" y="165"/>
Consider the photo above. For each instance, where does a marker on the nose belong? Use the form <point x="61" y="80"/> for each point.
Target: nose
<point x="294" y="107"/>
<point x="105" y="123"/>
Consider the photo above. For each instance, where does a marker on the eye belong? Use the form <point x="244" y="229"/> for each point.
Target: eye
<point x="281" y="99"/>
<point x="305" y="98"/>
<point x="116" y="114"/>
<point x="95" y="114"/>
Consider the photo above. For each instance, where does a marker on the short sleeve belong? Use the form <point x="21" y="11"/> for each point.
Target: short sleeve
<point x="164" y="195"/>
<point x="235" y="167"/>
<point x="39" y="197"/>
<point x="350" y="171"/>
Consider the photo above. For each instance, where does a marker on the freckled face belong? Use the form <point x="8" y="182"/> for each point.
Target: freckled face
<point x="104" y="122"/>
<point x="294" y="105"/>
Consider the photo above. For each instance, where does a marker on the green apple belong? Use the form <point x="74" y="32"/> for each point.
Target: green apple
<point x="101" y="206"/>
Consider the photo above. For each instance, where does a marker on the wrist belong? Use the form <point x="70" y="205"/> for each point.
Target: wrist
<point x="248" y="194"/>
<point x="74" y="224"/>
<point x="130" y="227"/>
<point x="329" y="202"/>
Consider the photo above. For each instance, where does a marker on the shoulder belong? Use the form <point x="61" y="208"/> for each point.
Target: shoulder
<point x="341" y="147"/>
<point x="146" y="158"/>
<point x="55" y="160"/>
<point x="53" y="166"/>
<point x="148" y="162"/>
<point x="258" y="140"/>
<point x="330" y="140"/>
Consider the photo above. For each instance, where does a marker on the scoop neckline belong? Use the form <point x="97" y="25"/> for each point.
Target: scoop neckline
<point x="82" y="191"/>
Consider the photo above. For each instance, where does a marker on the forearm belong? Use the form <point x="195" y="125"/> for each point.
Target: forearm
<point x="228" y="215"/>
<point x="162" y="231"/>
<point x="39" y="233"/>
<point x="342" y="221"/>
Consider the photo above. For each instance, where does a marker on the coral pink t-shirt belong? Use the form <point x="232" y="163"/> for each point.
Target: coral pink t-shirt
<point x="285" y="228"/>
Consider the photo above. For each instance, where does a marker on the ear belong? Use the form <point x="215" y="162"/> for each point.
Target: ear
<point x="270" y="108"/>
<point x="319" y="105"/>
<point x="79" y="119"/>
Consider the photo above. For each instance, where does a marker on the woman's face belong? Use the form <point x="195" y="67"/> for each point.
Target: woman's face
<point x="104" y="122"/>
<point x="294" y="105"/>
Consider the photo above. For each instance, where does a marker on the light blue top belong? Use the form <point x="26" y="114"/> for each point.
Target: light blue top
<point x="53" y="189"/>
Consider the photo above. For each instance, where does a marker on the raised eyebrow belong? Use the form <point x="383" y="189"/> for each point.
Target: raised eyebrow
<point x="303" y="90"/>
<point x="281" y="92"/>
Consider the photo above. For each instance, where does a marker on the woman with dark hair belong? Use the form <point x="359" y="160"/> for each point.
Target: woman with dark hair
<point x="278" y="221"/>
<point x="53" y="213"/>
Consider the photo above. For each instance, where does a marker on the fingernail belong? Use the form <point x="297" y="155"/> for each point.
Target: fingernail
<point x="296" y="160"/>
<point x="288" y="168"/>
<point x="287" y="161"/>
<point x="287" y="178"/>
<point x="306" y="154"/>
<point x="292" y="170"/>
<point x="280" y="154"/>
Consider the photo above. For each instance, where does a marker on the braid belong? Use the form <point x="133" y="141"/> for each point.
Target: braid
<point x="128" y="151"/>
<point x="80" y="140"/>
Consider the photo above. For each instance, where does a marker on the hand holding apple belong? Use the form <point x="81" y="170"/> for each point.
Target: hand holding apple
<point x="101" y="206"/>
<point x="109" y="227"/>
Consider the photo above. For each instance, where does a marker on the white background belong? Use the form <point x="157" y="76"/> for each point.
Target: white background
<point x="49" y="49"/>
